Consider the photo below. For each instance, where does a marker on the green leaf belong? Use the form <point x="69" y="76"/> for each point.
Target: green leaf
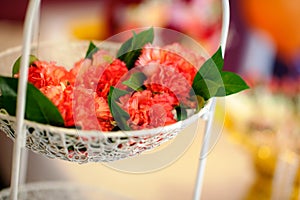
<point x="201" y="103"/>
<point x="91" y="50"/>
<point x="181" y="113"/>
<point x="233" y="83"/>
<point x="208" y="81"/>
<point x="17" y="64"/>
<point x="38" y="107"/>
<point x="211" y="81"/>
<point x="218" y="60"/>
<point x="136" y="81"/>
<point x="130" y="50"/>
<point x="118" y="113"/>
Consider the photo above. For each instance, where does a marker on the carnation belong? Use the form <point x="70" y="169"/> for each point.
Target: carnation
<point x="91" y="79"/>
<point x="174" y="56"/>
<point x="168" y="79"/>
<point x="81" y="94"/>
<point x="91" y="112"/>
<point x="149" y="110"/>
<point x="62" y="97"/>
<point x="138" y="86"/>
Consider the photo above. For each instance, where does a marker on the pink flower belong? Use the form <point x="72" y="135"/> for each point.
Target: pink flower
<point x="167" y="79"/>
<point x="175" y="56"/>
<point x="91" y="112"/>
<point x="99" y="73"/>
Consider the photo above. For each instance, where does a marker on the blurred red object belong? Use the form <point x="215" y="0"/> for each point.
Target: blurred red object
<point x="16" y="9"/>
<point x="13" y="9"/>
<point x="280" y="19"/>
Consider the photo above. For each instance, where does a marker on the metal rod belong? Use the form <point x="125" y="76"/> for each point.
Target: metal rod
<point x="204" y="149"/>
<point x="20" y="139"/>
<point x="210" y="115"/>
<point x="225" y="25"/>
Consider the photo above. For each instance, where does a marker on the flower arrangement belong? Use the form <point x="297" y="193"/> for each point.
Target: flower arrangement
<point x="143" y="86"/>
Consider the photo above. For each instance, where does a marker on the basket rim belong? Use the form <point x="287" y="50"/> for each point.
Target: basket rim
<point x="131" y="133"/>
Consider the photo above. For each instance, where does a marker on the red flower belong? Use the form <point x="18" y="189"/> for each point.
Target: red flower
<point x="36" y="76"/>
<point x="110" y="77"/>
<point x="81" y="93"/>
<point x="56" y="83"/>
<point x="42" y="73"/>
<point x="62" y="98"/>
<point x="148" y="110"/>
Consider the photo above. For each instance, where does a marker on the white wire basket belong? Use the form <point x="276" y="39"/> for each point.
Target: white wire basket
<point x="83" y="146"/>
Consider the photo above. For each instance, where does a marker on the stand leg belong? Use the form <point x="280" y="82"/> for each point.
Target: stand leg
<point x="210" y="117"/>
<point x="204" y="150"/>
<point x="20" y="139"/>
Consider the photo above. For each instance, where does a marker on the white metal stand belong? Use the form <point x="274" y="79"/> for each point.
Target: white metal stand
<point x="210" y="114"/>
<point x="30" y="26"/>
<point x="31" y="22"/>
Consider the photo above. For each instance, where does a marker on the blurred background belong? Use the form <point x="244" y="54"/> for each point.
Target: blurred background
<point x="257" y="154"/>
